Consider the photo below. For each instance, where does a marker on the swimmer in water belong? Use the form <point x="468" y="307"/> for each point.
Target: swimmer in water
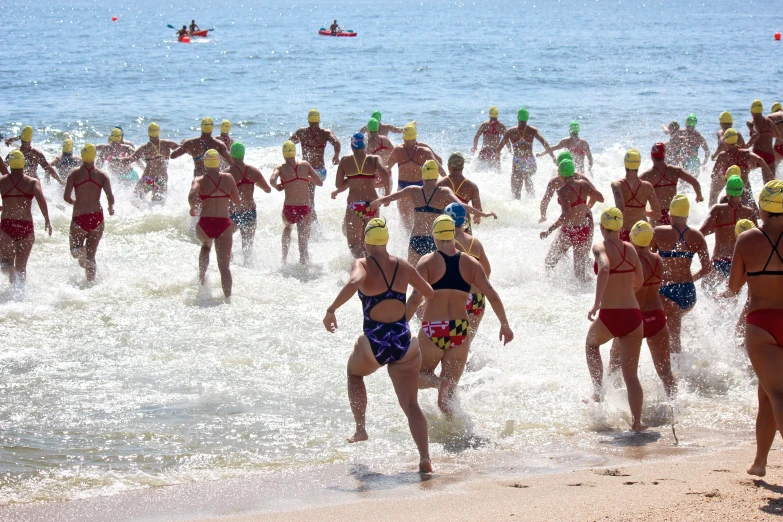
<point x="524" y="165"/>
<point x="578" y="148"/>
<point x="677" y="245"/>
<point x="651" y="306"/>
<point x="113" y="155"/>
<point x="762" y="141"/>
<point x="632" y="195"/>
<point x="745" y="160"/>
<point x="33" y="157"/>
<point x="675" y="148"/>
<point x="664" y="178"/>
<point x="378" y="144"/>
<point x="296" y="208"/>
<point x="692" y="141"/>
<point x="757" y="260"/>
<point x="66" y="162"/>
<point x="428" y="202"/>
<point x="215" y="191"/>
<point x="247" y="178"/>
<point x="313" y="140"/>
<point x="155" y="154"/>
<point x="465" y="190"/>
<point x="381" y="282"/>
<point x="471" y="246"/>
<point x="444" y="337"/>
<point x="197" y="147"/>
<point x="620" y="276"/>
<point x="410" y="157"/>
<point x="225" y="137"/>
<point x="722" y="220"/>
<point x="87" y="222"/>
<point x="16" y="221"/>
<point x="383" y="128"/>
<point x="574" y="228"/>
<point x="556" y="183"/>
<point x="726" y="122"/>
<point x="492" y="131"/>
<point x="361" y="183"/>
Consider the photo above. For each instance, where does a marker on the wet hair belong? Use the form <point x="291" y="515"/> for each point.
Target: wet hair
<point x="674" y="126"/>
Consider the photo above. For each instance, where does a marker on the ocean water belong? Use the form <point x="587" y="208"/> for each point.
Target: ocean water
<point x="143" y="380"/>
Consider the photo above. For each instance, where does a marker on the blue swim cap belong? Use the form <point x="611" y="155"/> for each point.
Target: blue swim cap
<point x="357" y="141"/>
<point x="456" y="212"/>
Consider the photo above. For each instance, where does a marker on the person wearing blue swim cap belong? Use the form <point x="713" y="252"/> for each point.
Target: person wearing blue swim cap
<point x="468" y="244"/>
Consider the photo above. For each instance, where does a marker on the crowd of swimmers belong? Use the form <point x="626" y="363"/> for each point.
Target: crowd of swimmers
<point x="644" y="286"/>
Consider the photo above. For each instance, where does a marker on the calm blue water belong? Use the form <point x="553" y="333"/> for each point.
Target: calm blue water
<point x="141" y="381"/>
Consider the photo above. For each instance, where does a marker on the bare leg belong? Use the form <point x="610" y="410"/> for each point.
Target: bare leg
<point x="248" y="234"/>
<point x="765" y="434"/>
<point x="76" y="238"/>
<point x="23" y="249"/>
<point x="516" y="183"/>
<point x="630" y="348"/>
<point x="614" y="357"/>
<point x="203" y="263"/>
<point x="223" y="253"/>
<point x="452" y="366"/>
<point x="659" y="351"/>
<point x="528" y="180"/>
<point x="91" y="248"/>
<point x="405" y="377"/>
<point x="674" y="323"/>
<point x="557" y="250"/>
<point x="354" y="227"/>
<point x="303" y="237"/>
<point x="311" y="189"/>
<point x="581" y="256"/>
<point x="361" y="363"/>
<point x="286" y="241"/>
<point x="597" y="335"/>
<point x="767" y="360"/>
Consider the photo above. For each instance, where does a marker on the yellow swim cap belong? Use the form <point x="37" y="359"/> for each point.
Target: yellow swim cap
<point x="771" y="197"/>
<point x="16" y="160"/>
<point x="730" y="136"/>
<point x="88" y="153"/>
<point x="493" y="112"/>
<point x="633" y="159"/>
<point x="153" y="130"/>
<point x="409" y="132"/>
<point x="777" y="107"/>
<point x="376" y="232"/>
<point x="116" y="135"/>
<point x="641" y="234"/>
<point x="313" y="116"/>
<point x="756" y="107"/>
<point x="207" y="125"/>
<point x="612" y="219"/>
<point x="443" y="228"/>
<point x="289" y="150"/>
<point x="726" y="117"/>
<point x="743" y="225"/>
<point x="429" y="170"/>
<point x="733" y="171"/>
<point x="225" y="127"/>
<point x="27" y="134"/>
<point x="68" y="146"/>
<point x="212" y="159"/>
<point x="680" y="206"/>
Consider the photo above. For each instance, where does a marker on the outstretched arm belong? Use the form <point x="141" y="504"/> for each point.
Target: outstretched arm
<point x="262" y="184"/>
<point x="550" y="151"/>
<point x="394" y="196"/>
<point x="358" y="274"/>
<point x="693" y="182"/>
<point x="479" y="132"/>
<point x="708" y="227"/>
<point x="540" y="138"/>
<point x="179" y="151"/>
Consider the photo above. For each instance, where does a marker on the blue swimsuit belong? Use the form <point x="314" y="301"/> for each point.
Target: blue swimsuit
<point x="389" y="341"/>
<point x="683" y="294"/>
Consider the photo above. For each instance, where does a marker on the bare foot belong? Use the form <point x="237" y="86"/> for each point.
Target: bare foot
<point x="425" y="466"/>
<point x="638" y="427"/>
<point x="359" y="436"/>
<point x="757" y="469"/>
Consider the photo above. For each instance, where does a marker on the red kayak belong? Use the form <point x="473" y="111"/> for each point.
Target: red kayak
<point x="326" y="32"/>
<point x="184" y="38"/>
<point x="203" y="33"/>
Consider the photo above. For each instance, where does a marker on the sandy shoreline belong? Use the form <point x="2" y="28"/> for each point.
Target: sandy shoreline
<point x="700" y="483"/>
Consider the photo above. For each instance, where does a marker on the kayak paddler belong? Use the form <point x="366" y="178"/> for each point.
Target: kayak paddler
<point x="194" y="27"/>
<point x="183" y="32"/>
<point x="334" y="28"/>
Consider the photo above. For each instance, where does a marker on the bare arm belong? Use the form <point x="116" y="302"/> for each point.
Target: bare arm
<point x="313" y="176"/>
<point x="385" y="200"/>
<point x="704" y="259"/>
<point x="540" y="138"/>
<point x="693" y="182"/>
<point x="193" y="196"/>
<point x="706" y="147"/>
<point x="41" y="200"/>
<point x="506" y="139"/>
<point x="738" y="276"/>
<point x="261" y="182"/>
<point x="602" y="260"/>
<point x="565" y="208"/>
<point x="549" y="151"/>
<point x="479" y="132"/>
<point x="385" y="175"/>
<point x="548" y="193"/>
<point x="589" y="156"/>
<point x="336" y="144"/>
<point x="418" y="283"/>
<point x="109" y="194"/>
<point x="708" y="227"/>
<point x="358" y="274"/>
<point x="486" y="288"/>
<point x="48" y="168"/>
<point x="638" y="275"/>
<point x="179" y="151"/>
<point x="617" y="192"/>
<point x="274" y="180"/>
<point x="766" y="173"/>
<point x="68" y="189"/>
<point x="655" y="205"/>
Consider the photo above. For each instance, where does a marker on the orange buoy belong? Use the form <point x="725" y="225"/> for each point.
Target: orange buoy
<point x="777" y="37"/>
<point x="113" y="18"/>
<point x="185" y="39"/>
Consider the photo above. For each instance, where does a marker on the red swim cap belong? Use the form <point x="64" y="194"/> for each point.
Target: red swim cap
<point x="658" y="151"/>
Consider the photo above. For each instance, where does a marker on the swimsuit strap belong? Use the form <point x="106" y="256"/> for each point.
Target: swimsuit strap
<point x="360" y="170"/>
<point x="423" y="195"/>
<point x="653" y="269"/>
<point x="616" y="269"/>
<point x="88" y="180"/>
<point x="774" y="251"/>
<point x="456" y="190"/>
<point x="217" y="187"/>
<point x="579" y="200"/>
<point x="682" y="238"/>
<point x="15" y="186"/>
<point x="730" y="223"/>
<point x="633" y="195"/>
<point x="394" y="275"/>
<point x="296" y="176"/>
<point x="659" y="183"/>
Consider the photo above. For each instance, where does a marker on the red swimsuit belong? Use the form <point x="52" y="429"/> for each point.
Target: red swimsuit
<point x="16" y="229"/>
<point x="214" y="227"/>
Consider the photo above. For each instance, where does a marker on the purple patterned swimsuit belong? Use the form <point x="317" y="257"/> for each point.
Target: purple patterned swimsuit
<point x="389" y="341"/>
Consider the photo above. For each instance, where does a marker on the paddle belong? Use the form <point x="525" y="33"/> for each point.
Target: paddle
<point x="171" y="26"/>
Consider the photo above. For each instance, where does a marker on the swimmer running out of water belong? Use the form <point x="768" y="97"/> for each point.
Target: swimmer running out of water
<point x="197" y="148"/>
<point x="579" y="148"/>
<point x="247" y="178"/>
<point x="524" y="164"/>
<point x="620" y="276"/>
<point x="381" y="281"/>
<point x="155" y="154"/>
<point x="492" y="131"/>
<point x="87" y="182"/>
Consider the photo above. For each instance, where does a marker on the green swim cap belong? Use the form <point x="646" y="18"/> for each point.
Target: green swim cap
<point x="566" y="168"/>
<point x="574" y="127"/>
<point x="377" y="115"/>
<point x="237" y="150"/>
<point x="734" y="186"/>
<point x="691" y="120"/>
<point x="373" y="125"/>
<point x="564" y="155"/>
<point x="523" y="115"/>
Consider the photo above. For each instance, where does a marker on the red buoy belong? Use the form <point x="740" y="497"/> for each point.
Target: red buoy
<point x="113" y="18"/>
<point x="185" y="39"/>
<point x="777" y="37"/>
